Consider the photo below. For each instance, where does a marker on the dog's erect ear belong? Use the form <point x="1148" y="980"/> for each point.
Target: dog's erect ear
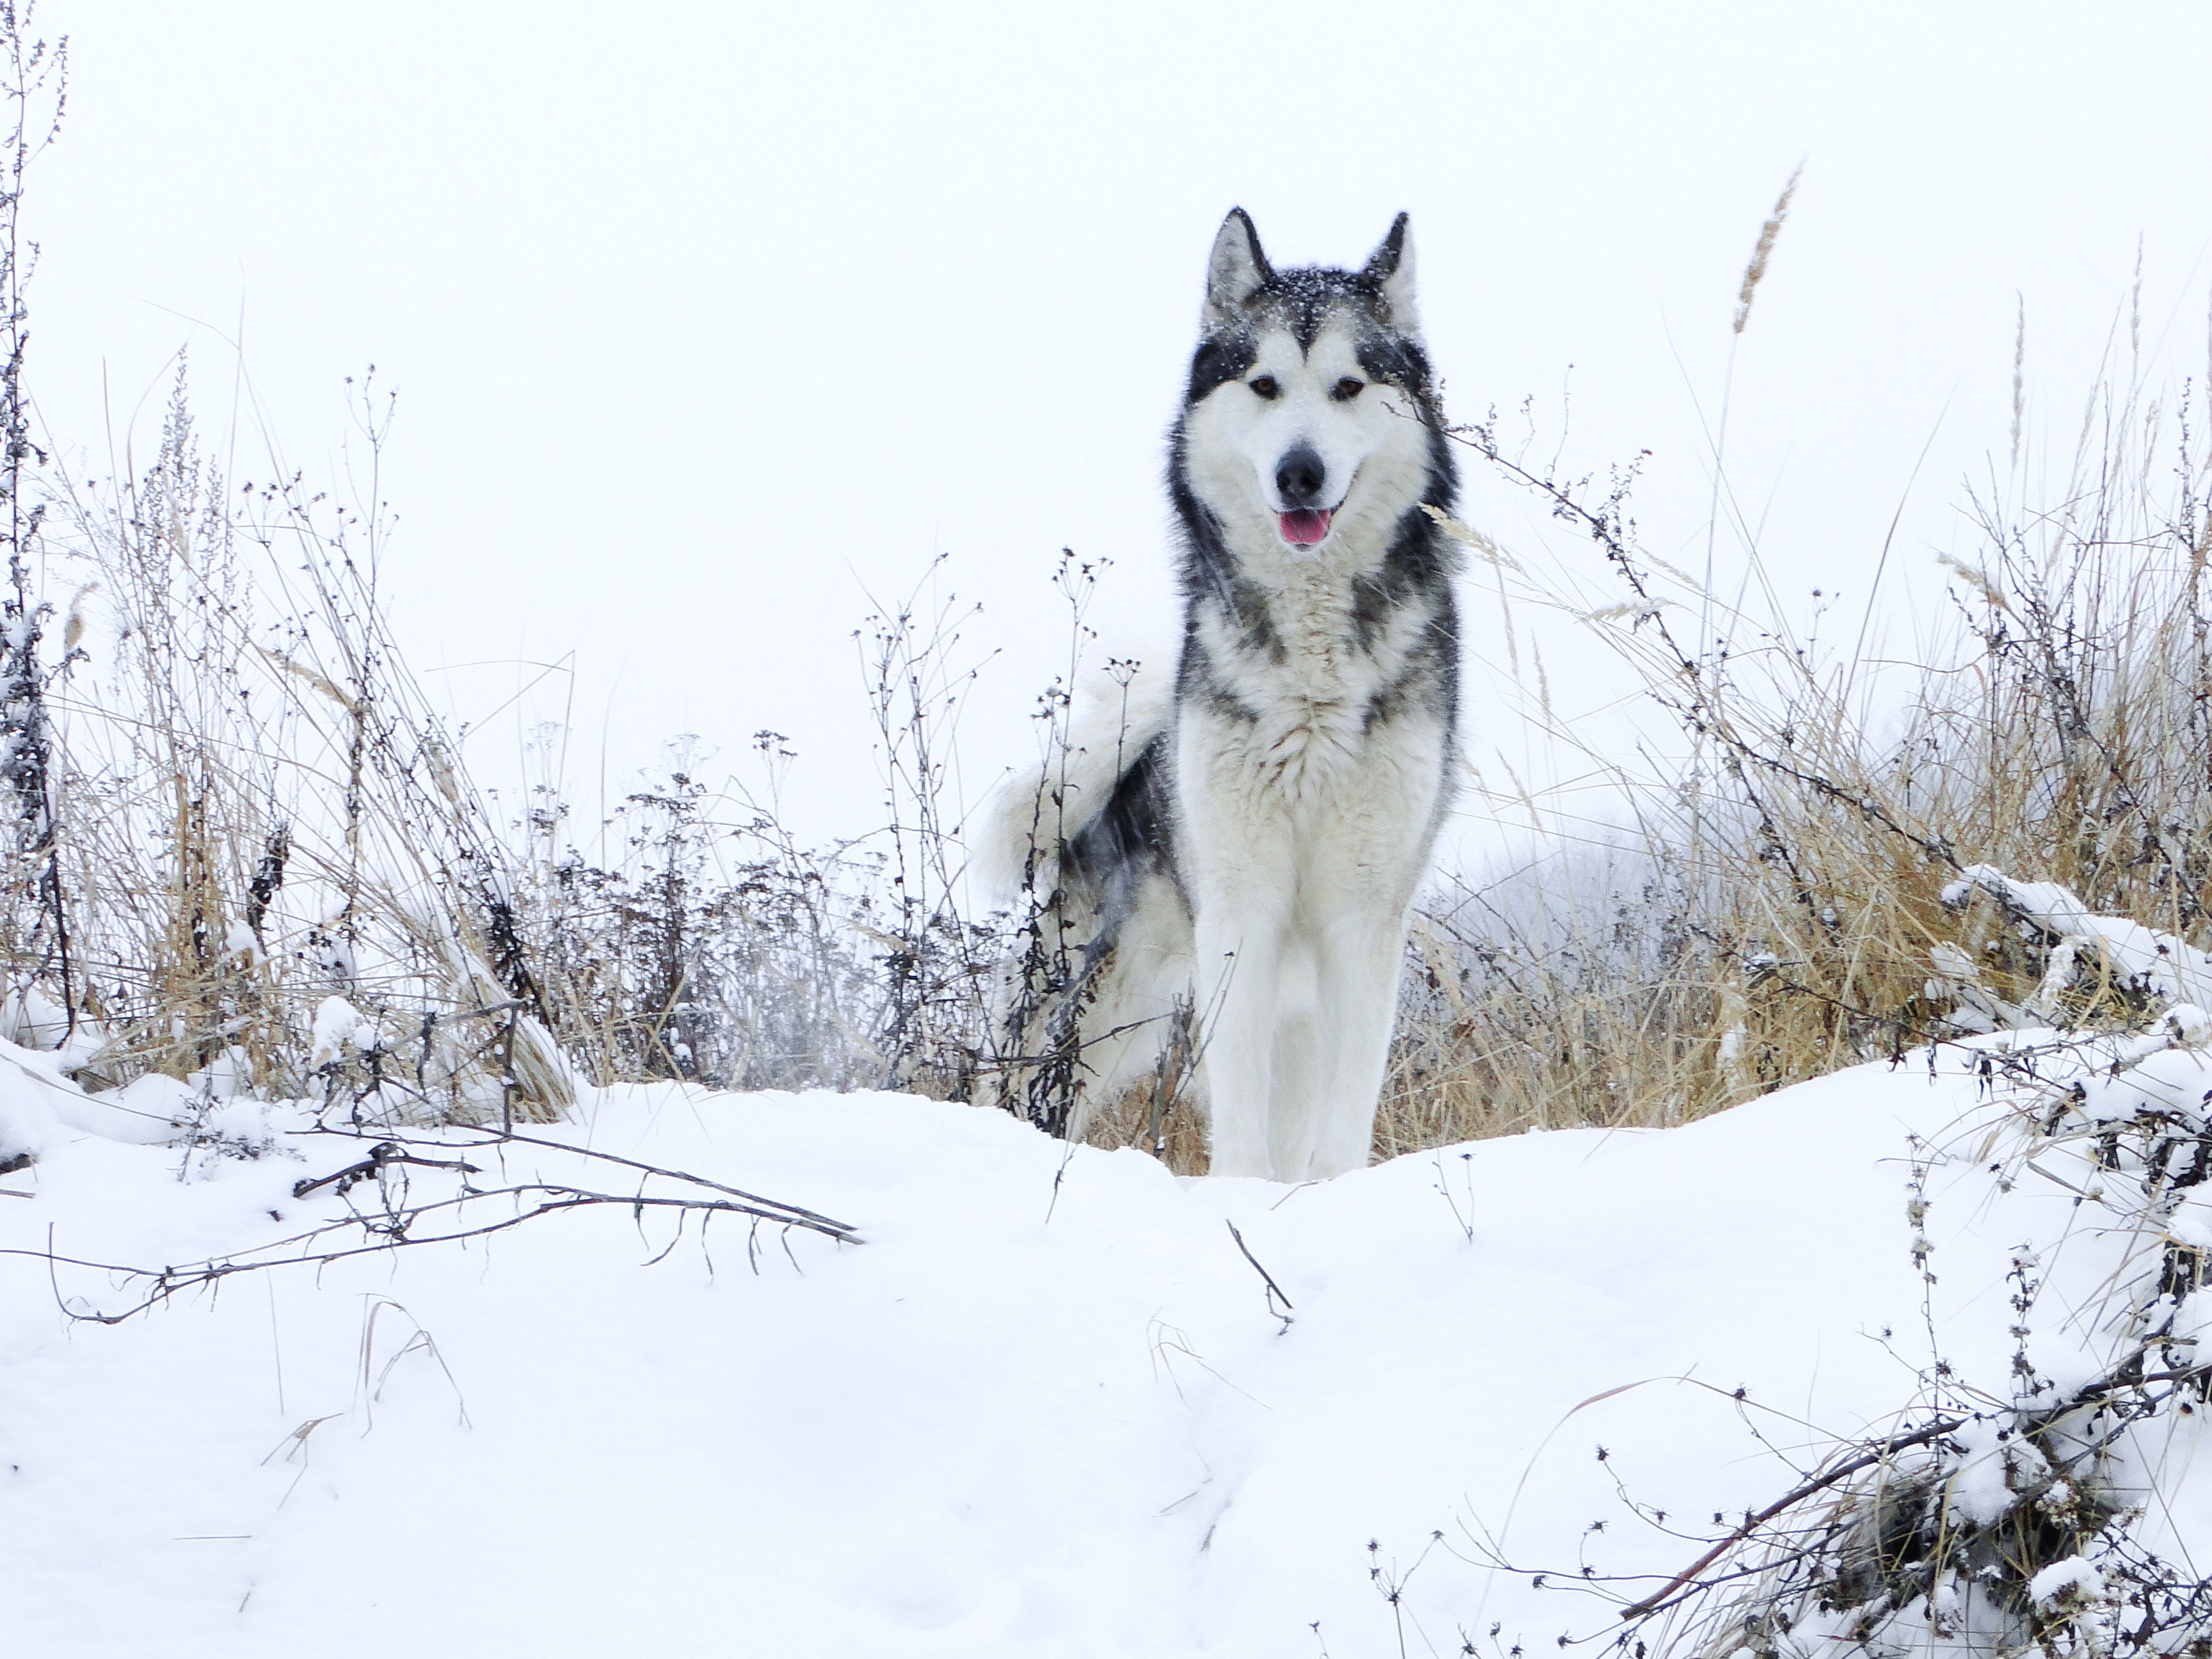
<point x="1235" y="269"/>
<point x="1391" y="265"/>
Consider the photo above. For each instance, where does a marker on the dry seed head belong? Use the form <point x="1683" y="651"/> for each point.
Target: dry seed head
<point x="73" y="628"/>
<point x="1991" y="595"/>
<point x="318" y="681"/>
<point x="442" y="774"/>
<point x="1467" y="535"/>
<point x="1675" y="571"/>
<point x="1753" y="272"/>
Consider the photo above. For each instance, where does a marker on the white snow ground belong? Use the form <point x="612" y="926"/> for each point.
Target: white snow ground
<point x="1045" y="1409"/>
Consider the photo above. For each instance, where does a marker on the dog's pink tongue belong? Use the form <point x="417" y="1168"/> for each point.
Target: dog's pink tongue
<point x="1304" y="529"/>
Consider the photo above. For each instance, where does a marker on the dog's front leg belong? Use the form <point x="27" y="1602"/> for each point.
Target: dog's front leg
<point x="1359" y="965"/>
<point x="1240" y="962"/>
<point x="1235" y="846"/>
<point x="1371" y="850"/>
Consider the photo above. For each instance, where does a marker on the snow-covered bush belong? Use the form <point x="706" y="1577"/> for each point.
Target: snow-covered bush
<point x="2024" y="1501"/>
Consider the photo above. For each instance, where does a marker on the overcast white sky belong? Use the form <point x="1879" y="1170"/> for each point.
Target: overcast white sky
<point x="705" y="318"/>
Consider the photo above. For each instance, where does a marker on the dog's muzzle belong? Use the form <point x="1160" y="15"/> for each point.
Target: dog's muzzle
<point x="1300" y="477"/>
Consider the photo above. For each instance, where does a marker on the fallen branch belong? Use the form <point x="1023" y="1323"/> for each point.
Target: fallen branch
<point x="1274" y="1291"/>
<point x="818" y="1221"/>
<point x="380" y="1157"/>
<point x="400" y="1223"/>
<point x="396" y="1231"/>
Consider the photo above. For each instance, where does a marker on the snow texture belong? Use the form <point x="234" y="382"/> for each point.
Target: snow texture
<point x="1049" y="1408"/>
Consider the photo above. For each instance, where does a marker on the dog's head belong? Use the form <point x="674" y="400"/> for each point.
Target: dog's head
<point x="1310" y="409"/>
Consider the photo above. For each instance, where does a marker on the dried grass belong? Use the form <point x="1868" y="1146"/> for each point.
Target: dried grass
<point x="1777" y="911"/>
<point x="257" y="812"/>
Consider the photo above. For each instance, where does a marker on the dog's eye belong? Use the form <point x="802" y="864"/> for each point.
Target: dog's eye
<point x="1348" y="388"/>
<point x="1265" y="386"/>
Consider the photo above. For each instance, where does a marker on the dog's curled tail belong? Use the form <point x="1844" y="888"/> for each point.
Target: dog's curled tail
<point x="1041" y="811"/>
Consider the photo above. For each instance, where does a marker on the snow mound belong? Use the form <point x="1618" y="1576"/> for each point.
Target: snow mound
<point x="1041" y="1401"/>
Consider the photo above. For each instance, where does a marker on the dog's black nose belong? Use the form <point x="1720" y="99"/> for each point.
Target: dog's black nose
<point x="1300" y="476"/>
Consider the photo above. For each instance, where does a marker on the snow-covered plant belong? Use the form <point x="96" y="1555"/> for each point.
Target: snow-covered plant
<point x="2088" y="971"/>
<point x="703" y="941"/>
<point x="2019" y="1507"/>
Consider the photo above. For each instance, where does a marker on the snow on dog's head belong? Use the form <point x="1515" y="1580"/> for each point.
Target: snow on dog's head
<point x="1309" y="417"/>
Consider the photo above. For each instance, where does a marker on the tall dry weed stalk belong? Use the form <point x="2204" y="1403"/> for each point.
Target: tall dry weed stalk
<point x="936" y="959"/>
<point x="34" y="83"/>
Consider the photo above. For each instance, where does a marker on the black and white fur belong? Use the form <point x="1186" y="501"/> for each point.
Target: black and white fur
<point x="1229" y="860"/>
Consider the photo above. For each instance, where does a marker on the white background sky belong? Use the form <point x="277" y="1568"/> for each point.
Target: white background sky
<point x="705" y="318"/>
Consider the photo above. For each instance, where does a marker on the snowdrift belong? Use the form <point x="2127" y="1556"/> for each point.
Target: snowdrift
<point x="1054" y="1401"/>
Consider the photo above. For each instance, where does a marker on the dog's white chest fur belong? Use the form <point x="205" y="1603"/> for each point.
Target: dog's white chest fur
<point x="1306" y="728"/>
